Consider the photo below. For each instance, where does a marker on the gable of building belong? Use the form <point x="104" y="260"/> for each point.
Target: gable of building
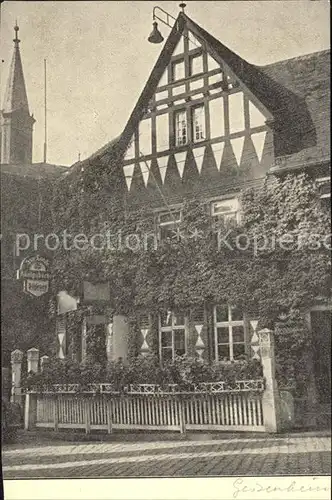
<point x="196" y="124"/>
<point x="246" y="119"/>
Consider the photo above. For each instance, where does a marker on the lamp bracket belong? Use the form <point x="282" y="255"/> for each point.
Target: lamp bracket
<point x="168" y="16"/>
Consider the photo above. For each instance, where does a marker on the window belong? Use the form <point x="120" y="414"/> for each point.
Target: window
<point x="172" y="335"/>
<point x="196" y="65"/>
<point x="198" y="122"/>
<point x="168" y="223"/>
<point x="225" y="211"/>
<point x="178" y="70"/>
<point x="325" y="191"/>
<point x="181" y="128"/>
<point x="229" y="333"/>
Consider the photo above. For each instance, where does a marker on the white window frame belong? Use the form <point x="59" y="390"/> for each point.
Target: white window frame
<point x="202" y="130"/>
<point x="324" y="180"/>
<point x="231" y="215"/>
<point x="227" y="324"/>
<point x="173" y="223"/>
<point x="180" y="128"/>
<point x="173" y="328"/>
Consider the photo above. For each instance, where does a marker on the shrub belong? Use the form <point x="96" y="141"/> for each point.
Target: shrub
<point x="11" y="420"/>
<point x="183" y="371"/>
<point x="232" y="371"/>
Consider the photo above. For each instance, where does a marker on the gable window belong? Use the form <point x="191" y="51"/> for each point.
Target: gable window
<point x="228" y="333"/>
<point x="225" y="211"/>
<point x="172" y="335"/>
<point x="181" y="127"/>
<point x="198" y="123"/>
<point x="178" y="71"/>
<point x="196" y="65"/>
<point x="168" y="224"/>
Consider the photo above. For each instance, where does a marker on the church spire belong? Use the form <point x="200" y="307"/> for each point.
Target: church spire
<point x="16" y="141"/>
<point x="15" y="95"/>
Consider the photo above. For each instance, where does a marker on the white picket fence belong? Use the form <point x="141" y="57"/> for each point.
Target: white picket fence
<point x="237" y="410"/>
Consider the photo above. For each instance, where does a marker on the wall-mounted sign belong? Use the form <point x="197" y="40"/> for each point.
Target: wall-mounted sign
<point x="34" y="272"/>
<point x="99" y="292"/>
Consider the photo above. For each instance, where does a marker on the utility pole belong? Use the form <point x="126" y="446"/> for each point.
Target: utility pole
<point x="45" y="114"/>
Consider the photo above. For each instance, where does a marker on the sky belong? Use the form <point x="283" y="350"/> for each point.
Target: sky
<point x="98" y="56"/>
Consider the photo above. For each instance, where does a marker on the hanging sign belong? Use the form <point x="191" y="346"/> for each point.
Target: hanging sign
<point x="34" y="272"/>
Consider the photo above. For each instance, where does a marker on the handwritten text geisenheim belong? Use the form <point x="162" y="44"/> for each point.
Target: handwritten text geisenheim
<point x="244" y="486"/>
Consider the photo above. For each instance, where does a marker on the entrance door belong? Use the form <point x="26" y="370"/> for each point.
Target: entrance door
<point x="321" y="339"/>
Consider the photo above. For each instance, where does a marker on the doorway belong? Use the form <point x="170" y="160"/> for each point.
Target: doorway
<point x="321" y="343"/>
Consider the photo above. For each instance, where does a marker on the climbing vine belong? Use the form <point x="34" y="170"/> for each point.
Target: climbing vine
<point x="245" y="265"/>
<point x="245" y="268"/>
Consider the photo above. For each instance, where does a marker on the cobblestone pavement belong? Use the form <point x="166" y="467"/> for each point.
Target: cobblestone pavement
<point x="303" y="455"/>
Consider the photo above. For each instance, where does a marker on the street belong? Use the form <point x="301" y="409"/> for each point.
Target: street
<point x="223" y="456"/>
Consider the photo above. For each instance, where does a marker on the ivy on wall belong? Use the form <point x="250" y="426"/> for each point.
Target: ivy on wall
<point x="252" y="270"/>
<point x="293" y="363"/>
<point x="25" y="209"/>
<point x="190" y="270"/>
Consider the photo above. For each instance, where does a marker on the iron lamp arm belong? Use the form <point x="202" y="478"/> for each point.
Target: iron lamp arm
<point x="168" y="16"/>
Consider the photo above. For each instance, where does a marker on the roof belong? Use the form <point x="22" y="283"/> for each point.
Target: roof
<point x="106" y="149"/>
<point x="307" y="76"/>
<point x="295" y="92"/>
<point x="33" y="170"/>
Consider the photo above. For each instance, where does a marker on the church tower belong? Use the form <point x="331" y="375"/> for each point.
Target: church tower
<point x="16" y="121"/>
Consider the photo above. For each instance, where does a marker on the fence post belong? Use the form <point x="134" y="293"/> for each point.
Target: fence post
<point x="16" y="362"/>
<point x="33" y="360"/>
<point x="270" y="400"/>
<point x="109" y="341"/>
<point x="87" y="415"/>
<point x="56" y="412"/>
<point x="182" y="416"/>
<point x="6" y="384"/>
<point x="84" y="340"/>
<point x="109" y="415"/>
<point x="30" y="411"/>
